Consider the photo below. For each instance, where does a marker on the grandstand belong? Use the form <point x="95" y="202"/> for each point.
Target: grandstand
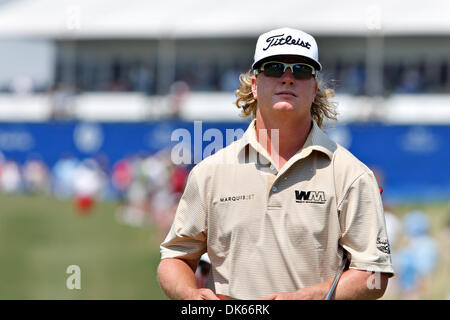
<point x="139" y="50"/>
<point x="160" y="65"/>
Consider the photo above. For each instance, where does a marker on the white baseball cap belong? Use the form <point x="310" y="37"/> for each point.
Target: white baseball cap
<point x="287" y="41"/>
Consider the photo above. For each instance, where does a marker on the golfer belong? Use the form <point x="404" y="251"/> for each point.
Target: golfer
<point x="278" y="210"/>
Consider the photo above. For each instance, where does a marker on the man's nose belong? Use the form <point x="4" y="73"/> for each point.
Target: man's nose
<point x="287" y="77"/>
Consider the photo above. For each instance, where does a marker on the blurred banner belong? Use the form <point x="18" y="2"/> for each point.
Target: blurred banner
<point x="412" y="160"/>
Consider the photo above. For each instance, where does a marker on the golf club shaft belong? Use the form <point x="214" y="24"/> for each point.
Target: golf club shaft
<point x="336" y="278"/>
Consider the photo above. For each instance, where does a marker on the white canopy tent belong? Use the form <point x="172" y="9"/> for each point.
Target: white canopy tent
<point x="87" y="19"/>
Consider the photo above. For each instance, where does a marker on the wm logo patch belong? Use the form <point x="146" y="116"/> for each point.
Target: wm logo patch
<point x="310" y="197"/>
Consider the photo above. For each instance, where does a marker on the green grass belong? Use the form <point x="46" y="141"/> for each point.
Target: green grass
<point x="40" y="237"/>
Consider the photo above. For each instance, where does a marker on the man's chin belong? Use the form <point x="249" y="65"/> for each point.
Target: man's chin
<point x="287" y="107"/>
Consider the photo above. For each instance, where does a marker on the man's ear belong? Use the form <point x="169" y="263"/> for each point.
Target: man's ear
<point x="254" y="86"/>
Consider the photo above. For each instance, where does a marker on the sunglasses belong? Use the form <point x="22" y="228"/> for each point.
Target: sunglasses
<point x="277" y="69"/>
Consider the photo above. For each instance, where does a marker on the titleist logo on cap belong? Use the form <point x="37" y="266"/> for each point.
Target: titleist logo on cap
<point x="280" y="40"/>
<point x="287" y="42"/>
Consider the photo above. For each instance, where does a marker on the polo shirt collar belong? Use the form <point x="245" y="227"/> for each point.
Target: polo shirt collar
<point x="317" y="140"/>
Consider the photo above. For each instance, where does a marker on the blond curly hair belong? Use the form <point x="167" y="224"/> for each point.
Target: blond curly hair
<point x="321" y="107"/>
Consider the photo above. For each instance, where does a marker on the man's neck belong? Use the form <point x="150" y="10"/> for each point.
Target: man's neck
<point x="284" y="136"/>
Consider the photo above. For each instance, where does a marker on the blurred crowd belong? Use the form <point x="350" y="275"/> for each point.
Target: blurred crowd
<point x="398" y="78"/>
<point x="418" y="256"/>
<point x="136" y="76"/>
<point x="121" y="76"/>
<point x="147" y="187"/>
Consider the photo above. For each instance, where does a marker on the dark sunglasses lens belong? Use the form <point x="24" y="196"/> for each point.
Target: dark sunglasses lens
<point x="302" y="71"/>
<point x="274" y="69"/>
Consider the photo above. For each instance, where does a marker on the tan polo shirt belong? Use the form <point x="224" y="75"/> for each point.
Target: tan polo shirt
<point x="267" y="231"/>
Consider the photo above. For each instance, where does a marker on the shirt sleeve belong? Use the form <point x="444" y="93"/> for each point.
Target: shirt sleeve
<point x="363" y="226"/>
<point x="187" y="235"/>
